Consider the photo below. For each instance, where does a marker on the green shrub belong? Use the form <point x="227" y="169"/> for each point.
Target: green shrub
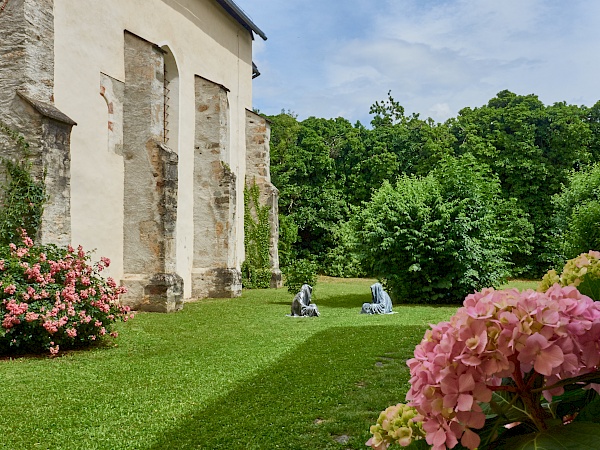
<point x="301" y="271"/>
<point x="584" y="229"/>
<point x="438" y="238"/>
<point x="53" y="298"/>
<point x="343" y="260"/>
<point x="288" y="236"/>
<point x="23" y="197"/>
<point x="255" y="278"/>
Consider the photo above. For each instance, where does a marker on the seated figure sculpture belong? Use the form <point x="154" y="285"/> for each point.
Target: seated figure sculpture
<point x="301" y="306"/>
<point x="382" y="303"/>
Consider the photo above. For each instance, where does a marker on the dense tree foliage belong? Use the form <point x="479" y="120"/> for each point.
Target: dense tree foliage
<point x="532" y="149"/>
<point x="577" y="215"/>
<point x="310" y="190"/>
<point x="329" y="170"/>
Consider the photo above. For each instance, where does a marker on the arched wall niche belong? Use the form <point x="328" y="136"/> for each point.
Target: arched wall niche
<point x="171" y="99"/>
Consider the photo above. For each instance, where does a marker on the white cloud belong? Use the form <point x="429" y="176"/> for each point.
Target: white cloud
<point x="440" y="110"/>
<point x="436" y="56"/>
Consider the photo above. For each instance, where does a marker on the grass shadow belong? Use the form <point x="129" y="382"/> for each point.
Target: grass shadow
<point x="340" y="301"/>
<point x="344" y="301"/>
<point x="325" y="394"/>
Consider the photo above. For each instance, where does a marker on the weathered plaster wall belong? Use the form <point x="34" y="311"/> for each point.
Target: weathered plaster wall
<point x="150" y="184"/>
<point x="89" y="68"/>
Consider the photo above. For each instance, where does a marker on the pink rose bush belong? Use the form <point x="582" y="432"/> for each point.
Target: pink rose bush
<point x="508" y="365"/>
<point x="54" y="299"/>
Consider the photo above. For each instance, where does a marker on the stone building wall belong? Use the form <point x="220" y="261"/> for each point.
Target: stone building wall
<point x="214" y="273"/>
<point x="165" y="209"/>
<point x="151" y="178"/>
<point x="27" y="106"/>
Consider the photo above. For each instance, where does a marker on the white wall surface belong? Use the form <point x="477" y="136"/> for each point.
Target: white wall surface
<point x="89" y="41"/>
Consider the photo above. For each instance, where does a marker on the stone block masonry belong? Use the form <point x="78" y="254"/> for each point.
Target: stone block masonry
<point x="258" y="170"/>
<point x="156" y="128"/>
<point x="27" y="106"/>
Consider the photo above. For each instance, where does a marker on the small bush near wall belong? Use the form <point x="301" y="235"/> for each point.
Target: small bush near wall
<point x="301" y="271"/>
<point x="54" y="299"/>
<point x="255" y="277"/>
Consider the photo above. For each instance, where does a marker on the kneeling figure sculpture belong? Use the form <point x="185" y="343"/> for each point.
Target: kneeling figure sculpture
<point x="301" y="306"/>
<point x="382" y="303"/>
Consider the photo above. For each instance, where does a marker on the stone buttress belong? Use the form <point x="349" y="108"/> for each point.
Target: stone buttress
<point x="27" y="106"/>
<point x="151" y="179"/>
<point x="258" y="170"/>
<point x="214" y="271"/>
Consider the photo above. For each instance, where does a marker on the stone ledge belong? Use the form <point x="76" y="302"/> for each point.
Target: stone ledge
<point x="46" y="109"/>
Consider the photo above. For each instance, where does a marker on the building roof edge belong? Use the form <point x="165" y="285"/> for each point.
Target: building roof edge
<point x="238" y="14"/>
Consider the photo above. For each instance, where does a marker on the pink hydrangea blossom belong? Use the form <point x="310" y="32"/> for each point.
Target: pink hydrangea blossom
<point x="50" y="326"/>
<point x="497" y="334"/>
<point x="16" y="308"/>
<point x="10" y="321"/>
<point x="31" y="316"/>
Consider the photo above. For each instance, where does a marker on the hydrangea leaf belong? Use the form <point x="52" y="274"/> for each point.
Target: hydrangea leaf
<point x="575" y="436"/>
<point x="591" y="412"/>
<point x="590" y="286"/>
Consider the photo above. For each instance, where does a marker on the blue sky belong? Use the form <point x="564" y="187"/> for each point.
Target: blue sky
<point x="332" y="58"/>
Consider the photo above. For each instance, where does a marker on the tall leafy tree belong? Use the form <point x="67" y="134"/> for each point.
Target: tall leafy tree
<point x="593" y="120"/>
<point x="396" y="144"/>
<point x="326" y="168"/>
<point x="577" y="216"/>
<point x="532" y="149"/>
<point x="303" y="168"/>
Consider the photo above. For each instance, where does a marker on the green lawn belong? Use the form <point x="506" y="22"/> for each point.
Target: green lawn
<point x="227" y="373"/>
<point x="522" y="284"/>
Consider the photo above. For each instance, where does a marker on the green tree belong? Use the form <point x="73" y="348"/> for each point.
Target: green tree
<point x="304" y="170"/>
<point x="593" y="120"/>
<point x="396" y="144"/>
<point x="577" y="216"/>
<point x="532" y="149"/>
